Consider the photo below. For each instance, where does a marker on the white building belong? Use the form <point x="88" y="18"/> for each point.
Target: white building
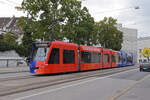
<point x="10" y="24"/>
<point x="143" y="42"/>
<point x="129" y="40"/>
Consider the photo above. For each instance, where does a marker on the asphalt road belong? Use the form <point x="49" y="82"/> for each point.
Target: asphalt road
<point x="140" y="91"/>
<point x="127" y="85"/>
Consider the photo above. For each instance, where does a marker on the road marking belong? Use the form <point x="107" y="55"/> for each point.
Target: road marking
<point x="125" y="90"/>
<point x="80" y="83"/>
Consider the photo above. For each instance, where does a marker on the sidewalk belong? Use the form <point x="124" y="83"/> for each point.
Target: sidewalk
<point x="5" y="70"/>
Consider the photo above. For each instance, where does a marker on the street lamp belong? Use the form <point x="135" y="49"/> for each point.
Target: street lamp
<point x="136" y="7"/>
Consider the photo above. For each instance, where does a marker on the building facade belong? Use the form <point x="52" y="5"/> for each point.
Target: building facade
<point x="9" y="24"/>
<point x="129" y="40"/>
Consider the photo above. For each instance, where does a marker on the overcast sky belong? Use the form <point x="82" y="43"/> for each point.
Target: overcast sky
<point x="122" y="10"/>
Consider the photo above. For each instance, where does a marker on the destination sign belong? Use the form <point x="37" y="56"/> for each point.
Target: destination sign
<point x="42" y="45"/>
<point x="90" y="48"/>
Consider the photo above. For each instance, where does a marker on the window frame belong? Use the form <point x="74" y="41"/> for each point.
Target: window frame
<point x="51" y="61"/>
<point x="73" y="60"/>
<point x="90" y="57"/>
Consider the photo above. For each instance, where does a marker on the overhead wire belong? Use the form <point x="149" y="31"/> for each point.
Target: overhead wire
<point x="114" y="10"/>
<point x="2" y="2"/>
<point x="5" y="3"/>
<point x="12" y="2"/>
<point x="9" y="3"/>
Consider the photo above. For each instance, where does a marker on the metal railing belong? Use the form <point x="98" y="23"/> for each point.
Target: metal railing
<point x="14" y="61"/>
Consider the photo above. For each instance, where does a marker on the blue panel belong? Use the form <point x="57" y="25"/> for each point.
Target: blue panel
<point x="119" y="62"/>
<point x="124" y="61"/>
<point x="129" y="63"/>
<point x="32" y="64"/>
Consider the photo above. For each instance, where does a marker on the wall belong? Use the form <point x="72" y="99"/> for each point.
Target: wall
<point x="10" y="55"/>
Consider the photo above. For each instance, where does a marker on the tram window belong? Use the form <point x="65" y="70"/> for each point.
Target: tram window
<point x="85" y="57"/>
<point x="113" y="58"/>
<point x="68" y="57"/>
<point x="95" y="57"/>
<point x="90" y="57"/>
<point x="106" y="56"/>
<point x="40" y="53"/>
<point x="54" y="57"/>
<point x="124" y="58"/>
<point x="129" y="59"/>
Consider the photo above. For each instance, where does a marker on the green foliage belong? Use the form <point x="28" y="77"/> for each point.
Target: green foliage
<point x="108" y="35"/>
<point x="10" y="37"/>
<point x="80" y="26"/>
<point x="8" y="42"/>
<point x="21" y="50"/>
<point x="6" y="46"/>
<point x="59" y="19"/>
<point x="44" y="15"/>
<point x="26" y="46"/>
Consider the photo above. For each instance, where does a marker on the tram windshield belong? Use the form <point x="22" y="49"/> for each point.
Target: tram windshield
<point x="40" y="52"/>
<point x="129" y="59"/>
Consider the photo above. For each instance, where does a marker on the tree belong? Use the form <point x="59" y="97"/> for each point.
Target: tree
<point x="10" y="37"/>
<point x="108" y="35"/>
<point x="45" y="16"/>
<point x="146" y="52"/>
<point x="79" y="26"/>
<point x="27" y="39"/>
<point x="59" y="19"/>
<point x="8" y="41"/>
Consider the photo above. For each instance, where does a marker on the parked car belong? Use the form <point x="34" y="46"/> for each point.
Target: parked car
<point x="144" y="66"/>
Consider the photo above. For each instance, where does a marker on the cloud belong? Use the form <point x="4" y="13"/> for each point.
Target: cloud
<point x="2" y="2"/>
<point x="7" y="8"/>
<point x="123" y="11"/>
<point x="101" y="8"/>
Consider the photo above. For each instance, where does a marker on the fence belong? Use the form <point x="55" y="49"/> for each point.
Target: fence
<point x="7" y="62"/>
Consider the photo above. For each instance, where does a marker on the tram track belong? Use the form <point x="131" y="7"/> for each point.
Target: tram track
<point x="37" y="76"/>
<point x="16" y="78"/>
<point x="61" y="79"/>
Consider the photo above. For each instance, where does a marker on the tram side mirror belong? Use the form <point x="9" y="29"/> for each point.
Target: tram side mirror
<point x="28" y="60"/>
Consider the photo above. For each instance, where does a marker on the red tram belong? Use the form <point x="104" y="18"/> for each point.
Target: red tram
<point x="60" y="57"/>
